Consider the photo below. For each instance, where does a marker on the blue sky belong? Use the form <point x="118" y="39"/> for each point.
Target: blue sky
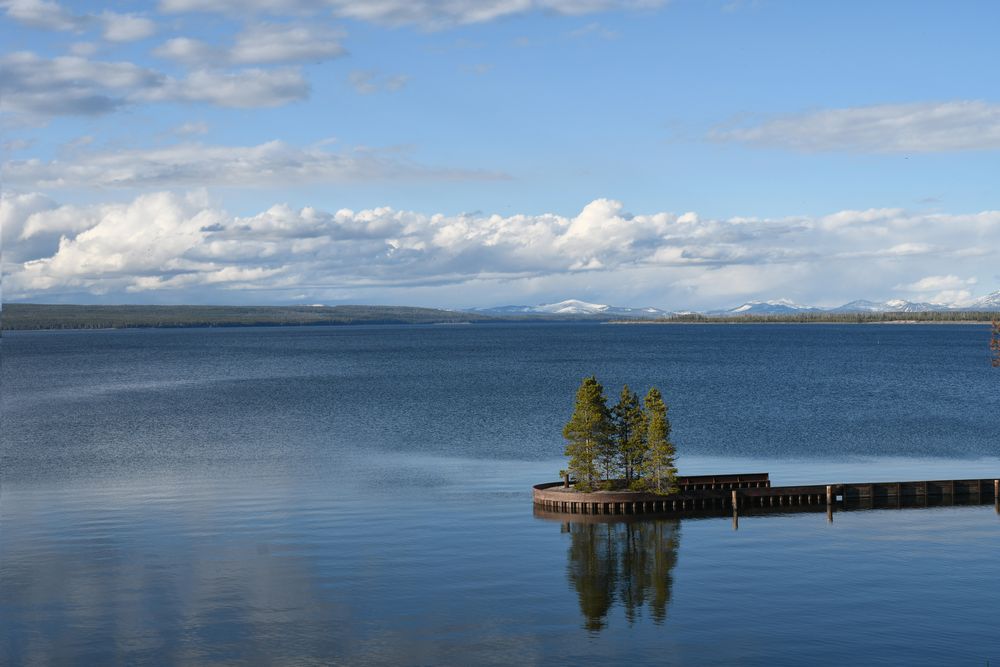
<point x="677" y="154"/>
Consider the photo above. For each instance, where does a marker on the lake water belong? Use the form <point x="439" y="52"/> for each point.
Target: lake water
<point x="361" y="495"/>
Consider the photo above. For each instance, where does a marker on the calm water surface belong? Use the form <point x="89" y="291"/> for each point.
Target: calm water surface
<point x="361" y="496"/>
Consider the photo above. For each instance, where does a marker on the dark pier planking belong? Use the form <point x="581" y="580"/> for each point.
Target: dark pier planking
<point x="707" y="493"/>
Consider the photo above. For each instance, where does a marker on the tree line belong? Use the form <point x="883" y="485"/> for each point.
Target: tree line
<point x="624" y="446"/>
<point x="26" y="316"/>
<point x="824" y="318"/>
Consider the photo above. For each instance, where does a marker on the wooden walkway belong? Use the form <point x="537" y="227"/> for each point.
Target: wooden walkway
<point x="735" y="492"/>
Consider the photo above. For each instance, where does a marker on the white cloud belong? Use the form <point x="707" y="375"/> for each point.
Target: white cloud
<point x="16" y="145"/>
<point x="935" y="283"/>
<point x="33" y="84"/>
<point x="42" y="14"/>
<point x="246" y="88"/>
<point x="424" y="13"/>
<point x="264" y="43"/>
<point x="71" y="85"/>
<point x="186" y="245"/>
<point x="49" y="15"/>
<point x="274" y="43"/>
<point x="125" y="27"/>
<point x="271" y="164"/>
<point x="891" y="128"/>
<point x="189" y="51"/>
<point x="948" y="289"/>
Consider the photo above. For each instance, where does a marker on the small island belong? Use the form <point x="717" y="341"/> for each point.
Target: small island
<point x="621" y="461"/>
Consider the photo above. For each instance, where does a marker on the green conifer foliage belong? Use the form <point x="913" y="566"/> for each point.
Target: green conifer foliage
<point x="630" y="434"/>
<point x="588" y="434"/>
<point x="659" y="471"/>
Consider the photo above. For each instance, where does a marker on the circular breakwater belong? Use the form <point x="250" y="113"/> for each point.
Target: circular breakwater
<point x="556" y="497"/>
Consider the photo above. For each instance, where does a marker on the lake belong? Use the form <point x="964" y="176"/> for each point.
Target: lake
<point x="361" y="495"/>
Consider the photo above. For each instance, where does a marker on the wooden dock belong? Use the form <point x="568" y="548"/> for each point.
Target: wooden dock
<point x="736" y="492"/>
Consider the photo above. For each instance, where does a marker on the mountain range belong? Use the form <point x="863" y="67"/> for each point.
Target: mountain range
<point x="575" y="307"/>
<point x="572" y="307"/>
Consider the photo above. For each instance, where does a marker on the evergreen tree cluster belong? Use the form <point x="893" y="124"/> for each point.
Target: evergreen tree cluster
<point x="995" y="343"/>
<point x="627" y="444"/>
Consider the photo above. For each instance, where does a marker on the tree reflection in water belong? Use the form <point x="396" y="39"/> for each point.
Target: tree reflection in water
<point x="625" y="562"/>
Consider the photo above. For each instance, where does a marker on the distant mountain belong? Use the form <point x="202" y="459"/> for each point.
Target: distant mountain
<point x="585" y="309"/>
<point x="572" y="307"/>
<point x="988" y="302"/>
<point x="890" y="306"/>
<point x="777" y="307"/>
<point x="786" y="307"/>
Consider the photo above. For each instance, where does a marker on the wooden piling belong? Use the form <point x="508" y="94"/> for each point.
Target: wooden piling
<point x="710" y="494"/>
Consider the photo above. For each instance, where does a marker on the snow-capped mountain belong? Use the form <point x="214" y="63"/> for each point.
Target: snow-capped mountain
<point x="890" y="306"/>
<point x="776" y="307"/>
<point x="578" y="308"/>
<point x="988" y="302"/>
<point x="573" y="307"/>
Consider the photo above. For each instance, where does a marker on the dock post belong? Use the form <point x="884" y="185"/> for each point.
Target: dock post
<point x="996" y="495"/>
<point x="829" y="503"/>
<point x="736" y="514"/>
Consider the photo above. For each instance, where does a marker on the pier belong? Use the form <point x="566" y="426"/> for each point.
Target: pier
<point x="708" y="493"/>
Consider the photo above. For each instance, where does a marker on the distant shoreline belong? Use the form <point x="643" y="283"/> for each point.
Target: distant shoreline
<point x="986" y="322"/>
<point x="48" y="317"/>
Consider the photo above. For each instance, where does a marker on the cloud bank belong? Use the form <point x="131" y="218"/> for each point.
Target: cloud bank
<point x="271" y="164"/>
<point x="173" y="246"/>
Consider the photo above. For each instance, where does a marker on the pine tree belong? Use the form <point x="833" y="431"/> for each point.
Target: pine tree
<point x="588" y="433"/>
<point x="630" y="433"/>
<point x="658" y="467"/>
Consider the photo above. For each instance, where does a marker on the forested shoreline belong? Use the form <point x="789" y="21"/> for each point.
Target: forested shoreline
<point x="23" y="316"/>
<point x="31" y="316"/>
<point x="958" y="316"/>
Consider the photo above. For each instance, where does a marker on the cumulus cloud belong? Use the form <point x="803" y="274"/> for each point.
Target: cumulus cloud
<point x="889" y="128"/>
<point x="932" y="283"/>
<point x="49" y="15"/>
<point x="171" y="243"/>
<point x="125" y="27"/>
<point x="42" y="14"/>
<point x="270" y="164"/>
<point x="246" y="88"/>
<point x="73" y="85"/>
<point x="274" y="43"/>
<point x="69" y="84"/>
<point x="189" y="51"/>
<point x="424" y="13"/>
<point x="263" y="43"/>
<point x="950" y="289"/>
